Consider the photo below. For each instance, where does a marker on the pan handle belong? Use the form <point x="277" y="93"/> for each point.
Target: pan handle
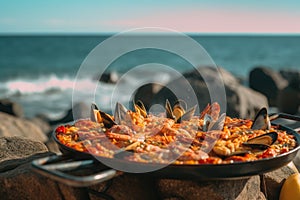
<point x="48" y="168"/>
<point x="275" y="116"/>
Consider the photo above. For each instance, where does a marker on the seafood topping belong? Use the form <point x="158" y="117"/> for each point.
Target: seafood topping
<point x="209" y="138"/>
<point x="178" y="112"/>
<point x="263" y="141"/>
<point x="261" y="120"/>
<point x="140" y="108"/>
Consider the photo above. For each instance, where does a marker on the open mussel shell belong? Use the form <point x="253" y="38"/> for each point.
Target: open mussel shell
<point x="209" y="124"/>
<point x="187" y="115"/>
<point x="95" y="115"/>
<point x="101" y="117"/>
<point x="140" y="108"/>
<point x="120" y="113"/>
<point x="263" y="141"/>
<point x="169" y="110"/>
<point x="178" y="112"/>
<point x="261" y="120"/>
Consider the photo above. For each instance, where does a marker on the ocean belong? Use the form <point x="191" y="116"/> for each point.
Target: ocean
<point x="38" y="71"/>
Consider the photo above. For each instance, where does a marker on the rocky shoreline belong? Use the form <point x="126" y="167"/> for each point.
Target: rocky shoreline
<point x="22" y="140"/>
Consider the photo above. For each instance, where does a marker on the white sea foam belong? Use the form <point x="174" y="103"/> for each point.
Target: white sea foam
<point x="52" y="95"/>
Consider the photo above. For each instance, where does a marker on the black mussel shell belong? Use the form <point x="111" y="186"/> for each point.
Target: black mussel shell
<point x="140" y="107"/>
<point x="261" y="120"/>
<point x="263" y="141"/>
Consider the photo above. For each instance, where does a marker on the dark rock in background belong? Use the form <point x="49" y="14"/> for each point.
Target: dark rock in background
<point x="10" y="107"/>
<point x="241" y="101"/>
<point x="288" y="100"/>
<point x="110" y="77"/>
<point x="244" y="102"/>
<point x="146" y="93"/>
<point x="267" y="82"/>
<point x="80" y="110"/>
<point x="290" y="74"/>
<point x="289" y="97"/>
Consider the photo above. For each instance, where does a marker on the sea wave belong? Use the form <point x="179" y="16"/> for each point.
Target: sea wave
<point x="43" y="84"/>
<point x="53" y="95"/>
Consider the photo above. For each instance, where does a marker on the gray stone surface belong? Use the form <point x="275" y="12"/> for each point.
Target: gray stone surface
<point x="18" y="147"/>
<point x="274" y="181"/>
<point x="13" y="126"/>
<point x="216" y="190"/>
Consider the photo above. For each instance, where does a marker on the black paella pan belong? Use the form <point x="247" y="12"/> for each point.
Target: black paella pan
<point x="58" y="166"/>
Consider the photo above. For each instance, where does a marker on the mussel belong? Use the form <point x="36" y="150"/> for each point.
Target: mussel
<point x="261" y="120"/>
<point x="101" y="117"/>
<point x="263" y="141"/>
<point x="255" y="144"/>
<point x="121" y="115"/>
<point x="140" y="108"/>
<point x="179" y="112"/>
<point x="209" y="124"/>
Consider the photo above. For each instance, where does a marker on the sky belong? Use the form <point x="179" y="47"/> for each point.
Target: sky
<point x="190" y="16"/>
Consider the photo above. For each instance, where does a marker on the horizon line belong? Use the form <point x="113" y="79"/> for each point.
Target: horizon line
<point x="147" y="33"/>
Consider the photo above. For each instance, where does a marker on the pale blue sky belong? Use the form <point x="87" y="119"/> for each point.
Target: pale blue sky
<point x="94" y="16"/>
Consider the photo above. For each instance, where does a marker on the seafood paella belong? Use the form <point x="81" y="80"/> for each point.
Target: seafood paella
<point x="176" y="136"/>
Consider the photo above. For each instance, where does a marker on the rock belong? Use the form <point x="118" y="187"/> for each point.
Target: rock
<point x="11" y="108"/>
<point x="52" y="146"/>
<point x="140" y="187"/>
<point x="290" y="74"/>
<point x="13" y="126"/>
<point x="289" y="100"/>
<point x="297" y="160"/>
<point x="241" y="189"/>
<point x="267" y="82"/>
<point x="17" y="179"/>
<point x="111" y="77"/>
<point x="80" y="110"/>
<point x="19" y="147"/>
<point x="241" y="101"/>
<point x="274" y="180"/>
<point x="43" y="124"/>
<point x="146" y="93"/>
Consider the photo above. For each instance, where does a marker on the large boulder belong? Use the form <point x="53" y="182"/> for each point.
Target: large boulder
<point x="146" y="93"/>
<point x="17" y="179"/>
<point x="289" y="97"/>
<point x="240" y="101"/>
<point x="290" y="74"/>
<point x="267" y="82"/>
<point x="10" y="107"/>
<point x="244" y="102"/>
<point x="109" y="77"/>
<point x="13" y="126"/>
